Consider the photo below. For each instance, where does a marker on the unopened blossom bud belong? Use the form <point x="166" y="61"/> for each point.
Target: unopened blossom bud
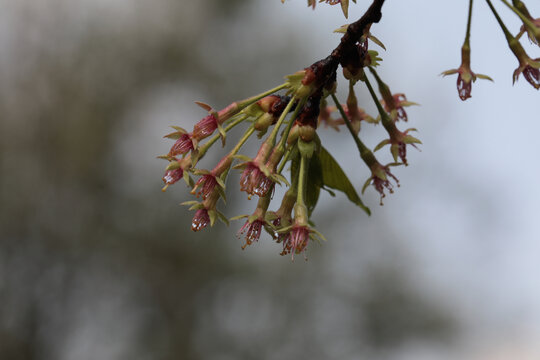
<point x="172" y="176"/>
<point x="200" y="220"/>
<point x="293" y="134"/>
<point x="183" y="145"/>
<point x="264" y="122"/>
<point x="210" y="179"/>
<point x="307" y="133"/>
<point x="205" y="127"/>
<point x="175" y="171"/>
<point x="267" y="102"/>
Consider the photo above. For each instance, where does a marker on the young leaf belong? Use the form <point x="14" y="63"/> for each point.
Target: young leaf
<point x="334" y="178"/>
<point x="314" y="183"/>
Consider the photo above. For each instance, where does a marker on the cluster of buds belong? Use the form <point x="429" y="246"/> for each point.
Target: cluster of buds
<point x="530" y="68"/>
<point x="291" y="154"/>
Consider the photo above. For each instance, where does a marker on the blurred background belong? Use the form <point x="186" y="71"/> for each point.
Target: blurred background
<point x="97" y="263"/>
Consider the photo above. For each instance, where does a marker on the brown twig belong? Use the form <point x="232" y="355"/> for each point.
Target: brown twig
<point x="323" y="72"/>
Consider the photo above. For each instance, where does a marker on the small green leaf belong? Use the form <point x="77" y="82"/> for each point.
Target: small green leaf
<point x="243" y="158"/>
<point x="213" y="216"/>
<point x="204" y="106"/>
<point x="485" y="77"/>
<point x="173" y="165"/>
<point x="238" y="217"/>
<point x="314" y="183"/>
<point x="342" y="29"/>
<point x="334" y="178"/>
<point x="189" y="181"/>
<point x="381" y="144"/>
<point x="222" y="217"/>
<point x="345" y="8"/>
<point x="376" y="41"/>
<point x="449" y="72"/>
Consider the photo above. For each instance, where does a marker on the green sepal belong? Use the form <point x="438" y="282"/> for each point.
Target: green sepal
<point x="284" y="229"/>
<point x="195" y="205"/>
<point x="173" y="165"/>
<point x="409" y="103"/>
<point x="321" y="236"/>
<point x="411" y="140"/>
<point x="449" y="72"/>
<point x="189" y="181"/>
<point x="381" y="145"/>
<point x="222" y="134"/>
<point x="243" y="158"/>
<point x="394" y="149"/>
<point x="165" y="157"/>
<point x="279" y="179"/>
<point x="212" y="214"/>
<point x="252" y="218"/>
<point x="204" y="106"/>
<point x="238" y="217"/>
<point x="484" y="77"/>
<point x="221" y="192"/>
<point x="190" y="202"/>
<point x="342" y="29"/>
<point x="200" y="172"/>
<point x="366" y="184"/>
<point x="220" y="182"/>
<point x="195" y="156"/>
<point x="345" y="8"/>
<point x="222" y="217"/>
<point x="376" y="41"/>
<point x="177" y="134"/>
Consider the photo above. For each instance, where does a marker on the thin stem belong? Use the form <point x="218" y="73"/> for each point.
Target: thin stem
<point x="507" y="33"/>
<point x="285" y="135"/>
<point x="386" y="121"/>
<point x="302" y="175"/>
<point x="243" y="140"/>
<point x="363" y="149"/>
<point x="468" y="34"/>
<point x="523" y="18"/>
<point x="252" y="99"/>
<point x="237" y="147"/>
<point x="284" y="160"/>
<point x="272" y="138"/>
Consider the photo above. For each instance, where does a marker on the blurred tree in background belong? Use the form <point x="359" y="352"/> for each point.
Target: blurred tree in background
<point x="94" y="264"/>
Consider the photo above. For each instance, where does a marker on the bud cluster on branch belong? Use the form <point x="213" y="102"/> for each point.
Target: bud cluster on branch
<point x="287" y="119"/>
